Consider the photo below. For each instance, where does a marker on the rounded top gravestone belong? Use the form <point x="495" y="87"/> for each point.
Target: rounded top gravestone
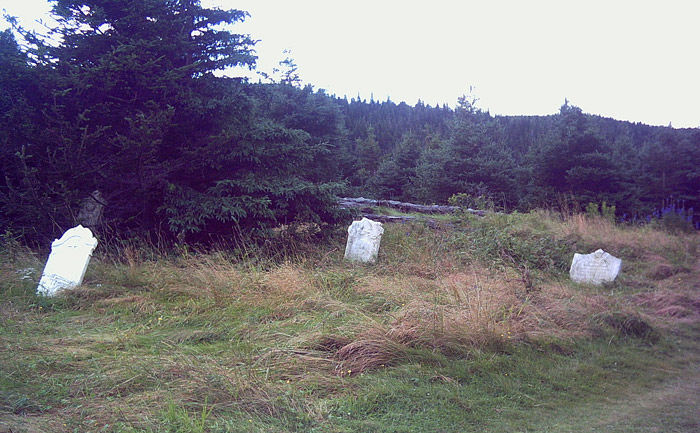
<point x="364" y="237"/>
<point x="68" y="261"/>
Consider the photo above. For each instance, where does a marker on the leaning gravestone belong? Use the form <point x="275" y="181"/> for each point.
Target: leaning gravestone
<point x="364" y="237"/>
<point x="91" y="210"/>
<point x="68" y="261"/>
<point x="595" y="268"/>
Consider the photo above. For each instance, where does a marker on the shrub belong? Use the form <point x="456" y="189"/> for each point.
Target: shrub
<point x="607" y="212"/>
<point x="510" y="241"/>
<point x="592" y="210"/>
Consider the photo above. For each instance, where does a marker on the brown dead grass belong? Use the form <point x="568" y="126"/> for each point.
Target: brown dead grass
<point x="374" y="349"/>
<point x="638" y="241"/>
<point x="211" y="276"/>
<point x="436" y="305"/>
<point x="671" y="305"/>
<point x="431" y="303"/>
<point x="430" y="257"/>
<point x="556" y="310"/>
<point x="664" y="265"/>
<point x="660" y="268"/>
<point x="287" y="281"/>
<point x="474" y="308"/>
<point x="453" y="314"/>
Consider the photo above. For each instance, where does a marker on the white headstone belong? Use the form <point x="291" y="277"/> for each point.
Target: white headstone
<point x="595" y="268"/>
<point x="364" y="238"/>
<point x="68" y="261"/>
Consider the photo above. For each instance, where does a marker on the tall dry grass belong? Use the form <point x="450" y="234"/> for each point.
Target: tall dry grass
<point x="452" y="307"/>
<point x="636" y="241"/>
<point x="422" y="295"/>
<point x="277" y="337"/>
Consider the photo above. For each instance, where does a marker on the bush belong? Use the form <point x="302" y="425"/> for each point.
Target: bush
<point x="510" y="241"/>
<point x="607" y="212"/>
<point x="675" y="221"/>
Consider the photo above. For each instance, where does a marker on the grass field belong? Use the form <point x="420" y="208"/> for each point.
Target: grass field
<point x="470" y="327"/>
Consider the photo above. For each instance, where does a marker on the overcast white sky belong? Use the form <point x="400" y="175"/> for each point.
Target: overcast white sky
<point x="630" y="60"/>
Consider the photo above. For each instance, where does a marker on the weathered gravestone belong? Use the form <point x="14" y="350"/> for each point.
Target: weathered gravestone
<point x="595" y="268"/>
<point x="91" y="210"/>
<point x="68" y="261"/>
<point x="364" y="237"/>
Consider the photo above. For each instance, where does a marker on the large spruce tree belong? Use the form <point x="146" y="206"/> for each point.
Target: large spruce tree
<point x="136" y="112"/>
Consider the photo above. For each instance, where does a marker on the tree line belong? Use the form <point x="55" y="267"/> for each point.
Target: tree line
<point x="123" y="98"/>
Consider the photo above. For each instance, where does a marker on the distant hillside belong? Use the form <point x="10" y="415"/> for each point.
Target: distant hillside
<point x="522" y="162"/>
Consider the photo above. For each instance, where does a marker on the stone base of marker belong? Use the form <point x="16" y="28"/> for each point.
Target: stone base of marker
<point x="596" y="268"/>
<point x="364" y="237"/>
<point x="68" y="261"/>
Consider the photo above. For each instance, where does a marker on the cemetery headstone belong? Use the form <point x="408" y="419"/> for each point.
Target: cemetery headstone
<point x="68" y="261"/>
<point x="364" y="237"/>
<point x="596" y="268"/>
<point x="91" y="210"/>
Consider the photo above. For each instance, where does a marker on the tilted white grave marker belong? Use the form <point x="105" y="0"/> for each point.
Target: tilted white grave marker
<point x="595" y="268"/>
<point x="364" y="238"/>
<point x="68" y="261"/>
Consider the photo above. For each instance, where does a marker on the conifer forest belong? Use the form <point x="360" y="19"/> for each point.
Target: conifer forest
<point x="124" y="98"/>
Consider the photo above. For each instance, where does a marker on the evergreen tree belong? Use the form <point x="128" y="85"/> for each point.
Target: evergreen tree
<point x="392" y="179"/>
<point x="367" y="158"/>
<point x="137" y="112"/>
<point x="26" y="205"/>
<point x="576" y="160"/>
<point x="474" y="160"/>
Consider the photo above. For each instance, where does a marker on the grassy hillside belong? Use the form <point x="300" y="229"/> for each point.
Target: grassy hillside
<point x="473" y="326"/>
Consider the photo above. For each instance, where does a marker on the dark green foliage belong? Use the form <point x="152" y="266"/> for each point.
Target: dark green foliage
<point x="394" y="175"/>
<point x="150" y="111"/>
<point x="473" y="159"/>
<point x="128" y="104"/>
<point x="259" y="185"/>
<point x="391" y="121"/>
<point x="315" y="113"/>
<point x="576" y="160"/>
<point x="27" y="206"/>
<point x="135" y="111"/>
<point x="500" y="240"/>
